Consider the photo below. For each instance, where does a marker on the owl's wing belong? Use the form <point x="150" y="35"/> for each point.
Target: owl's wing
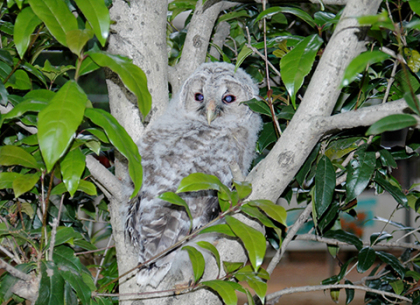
<point x="163" y="225"/>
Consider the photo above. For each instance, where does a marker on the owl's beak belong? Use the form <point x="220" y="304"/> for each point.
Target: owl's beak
<point x="211" y="111"/>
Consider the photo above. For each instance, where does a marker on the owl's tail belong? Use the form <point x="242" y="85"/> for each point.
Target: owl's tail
<point x="154" y="273"/>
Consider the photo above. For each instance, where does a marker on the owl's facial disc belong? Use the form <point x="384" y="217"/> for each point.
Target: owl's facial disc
<point x="211" y="111"/>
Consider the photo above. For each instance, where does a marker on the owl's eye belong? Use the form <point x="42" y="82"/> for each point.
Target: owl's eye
<point x="199" y="97"/>
<point x="229" y="99"/>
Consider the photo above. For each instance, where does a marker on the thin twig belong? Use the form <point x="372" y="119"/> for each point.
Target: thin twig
<point x="409" y="233"/>
<point x="54" y="226"/>
<point x="339" y="286"/>
<point x="98" y="270"/>
<point x="93" y="251"/>
<point x="289" y="237"/>
<point x="9" y="254"/>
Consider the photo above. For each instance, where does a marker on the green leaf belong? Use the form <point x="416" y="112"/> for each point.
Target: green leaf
<point x="252" y="239"/>
<point x="274" y="211"/>
<point x="97" y="15"/>
<point x="243" y="188"/>
<point x="232" y="267"/>
<point x="378" y="21"/>
<point x="359" y="64"/>
<point x="19" y="81"/>
<point x="208" y="246"/>
<point x="256" y="213"/>
<point x="221" y="228"/>
<point x="122" y="141"/>
<point x="245" y="52"/>
<point x="303" y="172"/>
<point x="254" y="280"/>
<point x="131" y="75"/>
<point x="377" y="237"/>
<point x="224" y="289"/>
<point x="259" y="107"/>
<point x="398" y="286"/>
<point x="87" y="66"/>
<point x="367" y="257"/>
<point x="22" y="108"/>
<point x="359" y="173"/>
<point x="56" y="16"/>
<point x="268" y="13"/>
<point x="64" y="235"/>
<point x="412" y="102"/>
<point x="346" y="237"/>
<point x="391" y="123"/>
<point x="324" y="185"/>
<point x="175" y="199"/>
<point x="415" y="6"/>
<point x="7" y="178"/>
<point x="87" y="187"/>
<point x="14" y="155"/>
<point x="26" y="22"/>
<point x="267" y="136"/>
<point x="349" y="292"/>
<point x="197" y="261"/>
<point x="25" y="183"/>
<point x="200" y="182"/>
<point x="77" y="39"/>
<point x="76" y="282"/>
<point x="3" y="94"/>
<point x="393" y="190"/>
<point x="34" y="71"/>
<point x="58" y="122"/>
<point x="297" y="64"/>
<point x="392" y="261"/>
<point x="233" y="15"/>
<point x="51" y="288"/>
<point x="72" y="167"/>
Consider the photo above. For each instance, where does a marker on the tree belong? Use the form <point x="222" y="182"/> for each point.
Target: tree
<point x="318" y="144"/>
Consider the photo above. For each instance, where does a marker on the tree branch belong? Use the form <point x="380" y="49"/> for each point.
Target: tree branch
<point x="196" y="43"/>
<point x="339" y="286"/>
<point x="361" y="117"/>
<point x="111" y="186"/>
<point x="15" y="272"/>
<point x="210" y="3"/>
<point x="219" y="38"/>
<point x="336" y="242"/>
<point x="271" y="176"/>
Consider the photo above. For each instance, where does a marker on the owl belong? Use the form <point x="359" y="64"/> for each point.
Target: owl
<point x="205" y="128"/>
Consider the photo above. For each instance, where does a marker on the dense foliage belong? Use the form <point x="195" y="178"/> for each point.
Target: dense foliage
<point x="49" y="203"/>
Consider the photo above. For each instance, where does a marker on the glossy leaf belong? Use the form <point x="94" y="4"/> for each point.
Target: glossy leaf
<point x="392" y="261"/>
<point x="243" y="188"/>
<point x="97" y="15"/>
<point x="84" y="186"/>
<point x="51" y="288"/>
<point x="224" y="290"/>
<point x="392" y="189"/>
<point x="58" y="122"/>
<point x="245" y="52"/>
<point x="122" y="141"/>
<point x="25" y="183"/>
<point x="77" y="39"/>
<point x="346" y="237"/>
<point x="220" y="228"/>
<point x="349" y="292"/>
<point x="19" y="81"/>
<point x="7" y="178"/>
<point x="259" y="107"/>
<point x="199" y="182"/>
<point x="14" y="155"/>
<point x="274" y="211"/>
<point x="375" y="238"/>
<point x="56" y="16"/>
<point x="376" y="21"/>
<point x="72" y="167"/>
<point x="252" y="239"/>
<point x="398" y="286"/>
<point x="254" y="280"/>
<point x="324" y="185"/>
<point x="87" y="66"/>
<point x="256" y="213"/>
<point x="412" y="102"/>
<point x="131" y="75"/>
<point x="210" y="247"/>
<point x="391" y="123"/>
<point x="415" y="6"/>
<point x="26" y="22"/>
<point x="297" y="64"/>
<point x="303" y="172"/>
<point x="22" y="108"/>
<point x="197" y="261"/>
<point x="367" y="257"/>
<point x="291" y="10"/>
<point x="359" y="64"/>
<point x="175" y="199"/>
<point x="267" y="136"/>
<point x="359" y="173"/>
<point x="232" y="267"/>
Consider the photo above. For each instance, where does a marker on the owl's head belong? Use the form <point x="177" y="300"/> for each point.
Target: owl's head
<point x="214" y="93"/>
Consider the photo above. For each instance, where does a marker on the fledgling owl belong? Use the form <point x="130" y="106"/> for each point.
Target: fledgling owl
<point x="205" y="128"/>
